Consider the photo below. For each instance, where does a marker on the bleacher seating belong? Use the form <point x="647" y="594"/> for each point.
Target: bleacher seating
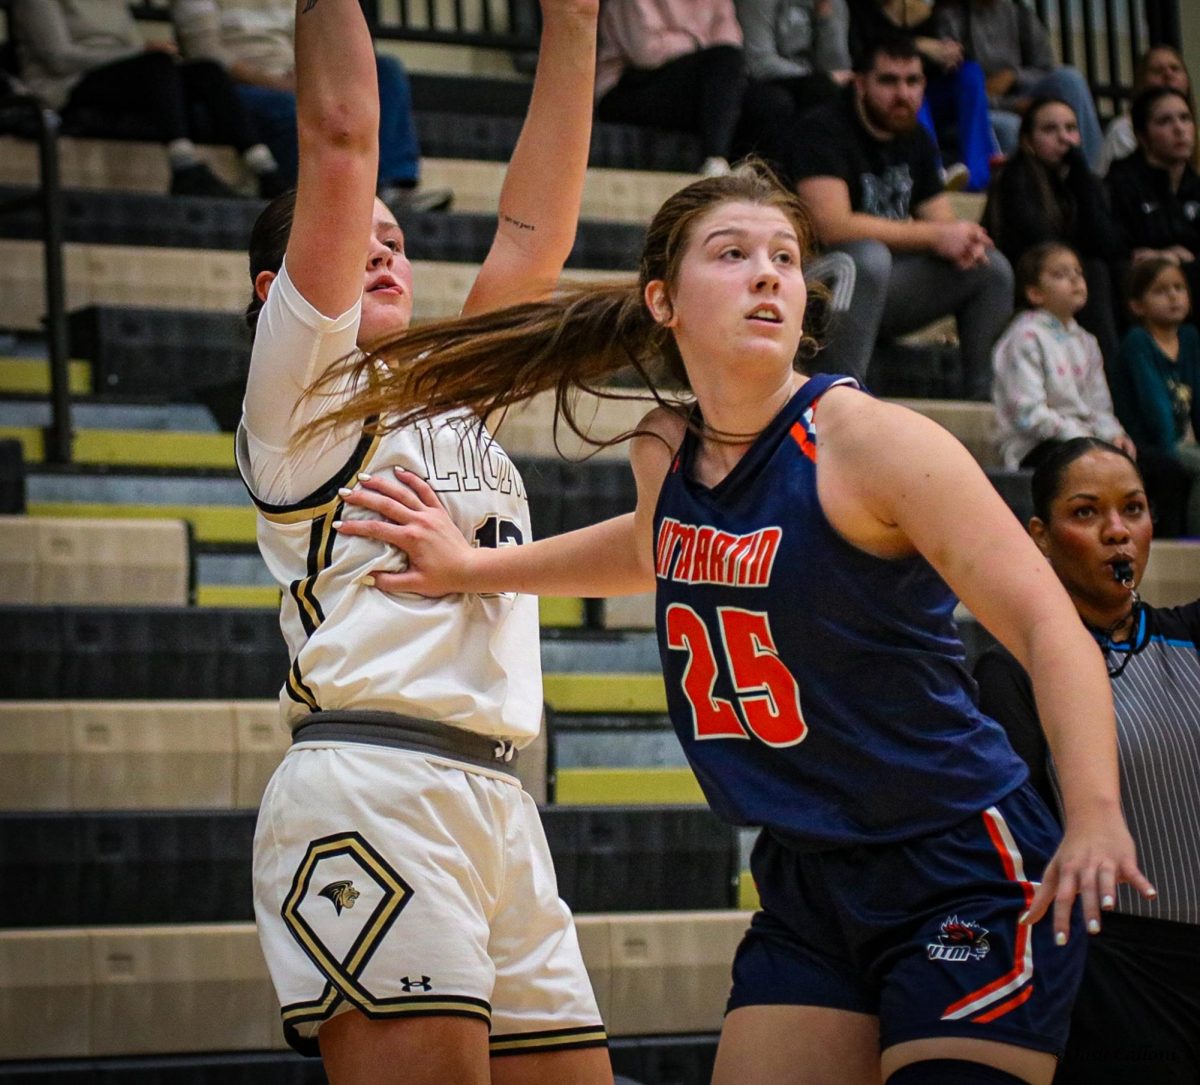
<point x="51" y="561"/>
<point x="138" y="729"/>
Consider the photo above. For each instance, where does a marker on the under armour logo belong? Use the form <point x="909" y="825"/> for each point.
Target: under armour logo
<point x="343" y="894"/>
<point x="409" y="984"/>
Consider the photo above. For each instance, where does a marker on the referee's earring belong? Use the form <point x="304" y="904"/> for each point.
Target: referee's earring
<point x="658" y="301"/>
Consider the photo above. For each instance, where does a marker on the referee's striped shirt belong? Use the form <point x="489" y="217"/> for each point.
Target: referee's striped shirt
<point x="1156" y="691"/>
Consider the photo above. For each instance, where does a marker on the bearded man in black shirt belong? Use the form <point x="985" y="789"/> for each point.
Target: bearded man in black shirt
<point x="868" y="172"/>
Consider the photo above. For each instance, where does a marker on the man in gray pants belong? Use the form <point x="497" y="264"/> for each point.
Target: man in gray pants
<point x="868" y="172"/>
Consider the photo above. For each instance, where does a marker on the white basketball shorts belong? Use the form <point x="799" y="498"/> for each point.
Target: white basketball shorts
<point x="398" y="883"/>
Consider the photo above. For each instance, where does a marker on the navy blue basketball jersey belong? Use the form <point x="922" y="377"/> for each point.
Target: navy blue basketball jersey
<point x="817" y="690"/>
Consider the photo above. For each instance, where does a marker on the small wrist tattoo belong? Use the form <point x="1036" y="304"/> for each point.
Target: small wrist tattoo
<point x="516" y="222"/>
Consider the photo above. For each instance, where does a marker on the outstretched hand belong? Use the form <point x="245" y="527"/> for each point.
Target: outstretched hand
<point x="1089" y="863"/>
<point x="415" y="522"/>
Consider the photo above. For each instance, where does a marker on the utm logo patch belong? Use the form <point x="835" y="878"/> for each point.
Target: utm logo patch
<point x="959" y="940"/>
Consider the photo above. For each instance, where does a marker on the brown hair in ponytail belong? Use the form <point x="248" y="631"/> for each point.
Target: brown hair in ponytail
<point x="571" y="342"/>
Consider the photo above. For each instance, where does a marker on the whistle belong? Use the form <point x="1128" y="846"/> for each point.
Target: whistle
<point x="1123" y="573"/>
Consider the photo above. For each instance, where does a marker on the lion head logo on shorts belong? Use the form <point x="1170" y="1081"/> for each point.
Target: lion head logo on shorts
<point x="959" y="940"/>
<point x="343" y="894"/>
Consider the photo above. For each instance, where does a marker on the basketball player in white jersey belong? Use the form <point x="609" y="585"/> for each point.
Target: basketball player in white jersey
<point x="404" y="892"/>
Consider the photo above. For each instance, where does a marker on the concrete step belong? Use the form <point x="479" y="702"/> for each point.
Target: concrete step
<point x="186" y="279"/>
<point x="79" y="992"/>
<point x="614" y="194"/>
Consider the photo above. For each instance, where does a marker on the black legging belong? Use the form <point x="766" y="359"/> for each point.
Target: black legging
<point x="700" y="92"/>
<point x="163" y="98"/>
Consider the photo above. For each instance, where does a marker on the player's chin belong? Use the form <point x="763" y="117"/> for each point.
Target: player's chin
<point x="384" y="317"/>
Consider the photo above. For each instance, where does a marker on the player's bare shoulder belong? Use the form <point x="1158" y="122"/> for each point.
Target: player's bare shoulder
<point x="658" y="437"/>
<point x="852" y="424"/>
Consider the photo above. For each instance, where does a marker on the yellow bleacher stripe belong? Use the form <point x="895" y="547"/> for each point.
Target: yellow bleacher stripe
<point x="154" y="448"/>
<point x="250" y="596"/>
<point x="747" y="892"/>
<point x="32" y="447"/>
<point x="626" y="787"/>
<point x="211" y="523"/>
<point x="31" y="376"/>
<point x="560" y="612"/>
<point x="606" y="692"/>
<point x="134" y="448"/>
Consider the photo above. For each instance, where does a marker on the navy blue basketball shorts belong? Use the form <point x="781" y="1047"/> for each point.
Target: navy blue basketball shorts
<point x="922" y="933"/>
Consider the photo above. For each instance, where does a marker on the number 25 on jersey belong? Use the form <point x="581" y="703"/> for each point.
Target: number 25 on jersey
<point x="768" y="698"/>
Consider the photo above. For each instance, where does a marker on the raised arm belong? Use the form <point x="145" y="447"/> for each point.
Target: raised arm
<point x="543" y="188"/>
<point x="337" y="117"/>
<point x="936" y="501"/>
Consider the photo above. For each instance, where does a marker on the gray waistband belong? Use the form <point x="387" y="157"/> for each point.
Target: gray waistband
<point x="409" y="733"/>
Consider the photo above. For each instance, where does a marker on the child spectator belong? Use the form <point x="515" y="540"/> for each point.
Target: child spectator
<point x="1049" y="381"/>
<point x="1046" y="192"/>
<point x="1160" y="360"/>
<point x="674" y="64"/>
<point x="87" y="61"/>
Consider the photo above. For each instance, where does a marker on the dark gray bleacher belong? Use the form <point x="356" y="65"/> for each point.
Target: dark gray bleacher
<point x="92" y="868"/>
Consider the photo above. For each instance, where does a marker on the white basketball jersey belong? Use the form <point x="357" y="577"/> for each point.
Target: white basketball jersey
<point x="467" y="660"/>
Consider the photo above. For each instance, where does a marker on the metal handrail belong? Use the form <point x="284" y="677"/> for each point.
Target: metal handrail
<point x="58" y="437"/>
<point x="515" y="27"/>
<point x="1143" y="23"/>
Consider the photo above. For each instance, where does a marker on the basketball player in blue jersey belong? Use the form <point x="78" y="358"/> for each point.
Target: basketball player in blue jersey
<point x="806" y="543"/>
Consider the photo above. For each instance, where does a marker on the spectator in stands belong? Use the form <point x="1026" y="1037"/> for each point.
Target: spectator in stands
<point x="1046" y="192"/>
<point x="674" y="64"/>
<point x="252" y="41"/>
<point x="88" y="61"/>
<point x="1049" y="375"/>
<point x="1013" y="49"/>
<point x="422" y="704"/>
<point x="956" y="95"/>
<point x="869" y="177"/>
<point x="1137" y="1016"/>
<point x="1155" y="192"/>
<point x="1161" y="66"/>
<point x="1160" y="361"/>
<point x="797" y="56"/>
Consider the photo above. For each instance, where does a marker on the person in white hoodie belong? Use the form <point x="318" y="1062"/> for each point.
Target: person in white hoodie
<point x="1049" y="383"/>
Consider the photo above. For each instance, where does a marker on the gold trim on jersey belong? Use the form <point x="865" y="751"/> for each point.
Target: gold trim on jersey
<point x="422" y="1005"/>
<point x="320" y="502"/>
<point x="298" y="689"/>
<point x="320" y="554"/>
